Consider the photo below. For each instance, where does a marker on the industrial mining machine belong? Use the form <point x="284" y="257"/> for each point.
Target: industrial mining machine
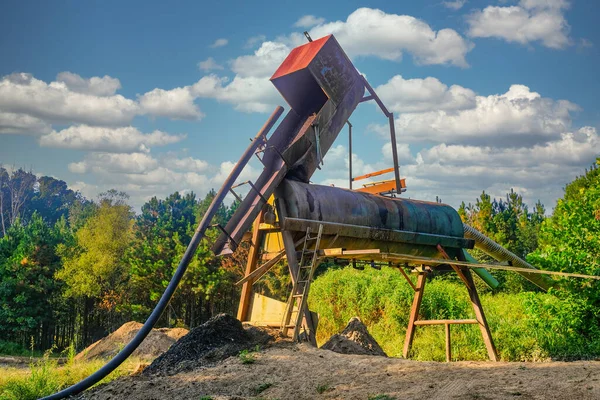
<point x="286" y="217"/>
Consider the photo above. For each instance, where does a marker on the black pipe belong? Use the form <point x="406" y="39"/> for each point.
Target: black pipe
<point x="183" y="264"/>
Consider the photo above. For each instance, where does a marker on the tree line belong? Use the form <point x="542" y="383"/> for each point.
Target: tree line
<point x="74" y="269"/>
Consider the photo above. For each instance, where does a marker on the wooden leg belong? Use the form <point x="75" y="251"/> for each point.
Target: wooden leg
<point x="246" y="294"/>
<point x="480" y="316"/>
<point x="448" y="344"/>
<point x="414" y="314"/>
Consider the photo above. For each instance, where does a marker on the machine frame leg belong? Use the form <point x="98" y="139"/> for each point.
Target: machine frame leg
<point x="414" y="313"/>
<point x="251" y="265"/>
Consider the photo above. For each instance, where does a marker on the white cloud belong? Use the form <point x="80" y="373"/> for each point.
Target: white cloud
<point x="460" y="173"/>
<point x="530" y="21"/>
<point x="372" y="32"/>
<point x="254" y="40"/>
<point x="263" y="62"/>
<point x="186" y="164"/>
<point x="118" y="140"/>
<point x="419" y="95"/>
<point x="454" y="5"/>
<point x="219" y="43"/>
<point x="175" y="103"/>
<point x="209" y="64"/>
<point x="97" y="86"/>
<point x="517" y="117"/>
<point x="11" y="123"/>
<point x="55" y="102"/>
<point x="308" y="21"/>
<point x="133" y="163"/>
<point x="248" y="94"/>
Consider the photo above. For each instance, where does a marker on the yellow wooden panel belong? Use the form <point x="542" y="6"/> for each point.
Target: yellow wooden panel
<point x="266" y="311"/>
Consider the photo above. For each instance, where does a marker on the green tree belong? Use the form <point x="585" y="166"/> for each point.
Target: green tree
<point x="94" y="265"/>
<point x="570" y="242"/>
<point x="29" y="294"/>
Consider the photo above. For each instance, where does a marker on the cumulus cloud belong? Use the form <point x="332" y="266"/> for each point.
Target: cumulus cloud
<point x="209" y="64"/>
<point x="219" y="43"/>
<point x="117" y="140"/>
<point x="529" y="21"/>
<point x="175" y="103"/>
<point x="248" y="94"/>
<point x="186" y="164"/>
<point x="134" y="163"/>
<point x="55" y="102"/>
<point x="308" y="21"/>
<point x="454" y="5"/>
<point x="460" y="173"/>
<point x="263" y="62"/>
<point x="97" y="86"/>
<point x="514" y="118"/>
<point x="419" y="95"/>
<point x="12" y="123"/>
<point x="372" y="32"/>
<point x="254" y="40"/>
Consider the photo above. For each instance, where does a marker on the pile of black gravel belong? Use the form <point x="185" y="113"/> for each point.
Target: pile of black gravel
<point x="220" y="337"/>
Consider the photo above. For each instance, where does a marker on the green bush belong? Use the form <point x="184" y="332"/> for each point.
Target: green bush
<point x="525" y="326"/>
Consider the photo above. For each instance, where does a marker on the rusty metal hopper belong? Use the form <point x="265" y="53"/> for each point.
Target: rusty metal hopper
<point x="323" y="88"/>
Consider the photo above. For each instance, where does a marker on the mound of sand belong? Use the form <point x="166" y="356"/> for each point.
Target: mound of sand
<point x="354" y="339"/>
<point x="218" y="338"/>
<point x="157" y="342"/>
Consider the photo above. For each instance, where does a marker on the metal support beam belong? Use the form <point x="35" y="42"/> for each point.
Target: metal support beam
<point x="350" y="153"/>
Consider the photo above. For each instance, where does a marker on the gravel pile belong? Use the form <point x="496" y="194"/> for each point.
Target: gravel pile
<point x="354" y="339"/>
<point x="217" y="339"/>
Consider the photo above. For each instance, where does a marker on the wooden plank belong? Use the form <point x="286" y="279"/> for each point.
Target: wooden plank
<point x="246" y="294"/>
<point x="412" y="285"/>
<point x="446" y="322"/>
<point x="448" y="343"/>
<point x="397" y="257"/>
<point x="371" y="174"/>
<point x="480" y="315"/>
<point x="383" y="187"/>
<point x="414" y="314"/>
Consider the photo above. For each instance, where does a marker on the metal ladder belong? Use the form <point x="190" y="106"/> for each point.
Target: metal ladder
<point x="297" y="303"/>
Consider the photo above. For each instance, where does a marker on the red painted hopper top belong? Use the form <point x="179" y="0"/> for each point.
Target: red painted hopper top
<point x="300" y="57"/>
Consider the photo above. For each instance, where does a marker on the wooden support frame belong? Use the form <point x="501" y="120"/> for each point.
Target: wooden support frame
<point x="480" y="320"/>
<point x="246" y="294"/>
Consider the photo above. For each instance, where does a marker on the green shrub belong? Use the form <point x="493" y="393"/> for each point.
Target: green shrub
<point x="525" y="326"/>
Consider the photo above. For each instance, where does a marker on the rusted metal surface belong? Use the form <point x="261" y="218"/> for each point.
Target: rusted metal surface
<point x="375" y="235"/>
<point x="370" y="221"/>
<point x="331" y="204"/>
<point x="323" y="88"/>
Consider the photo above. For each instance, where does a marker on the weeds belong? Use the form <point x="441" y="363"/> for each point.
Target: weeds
<point x="248" y="356"/>
<point x="323" y="388"/>
<point x="381" y="397"/>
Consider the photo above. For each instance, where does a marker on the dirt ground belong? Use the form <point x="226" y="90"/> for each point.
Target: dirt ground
<point x="303" y="372"/>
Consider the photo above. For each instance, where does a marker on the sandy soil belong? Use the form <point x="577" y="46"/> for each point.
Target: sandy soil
<point x="301" y="372"/>
<point x="156" y="343"/>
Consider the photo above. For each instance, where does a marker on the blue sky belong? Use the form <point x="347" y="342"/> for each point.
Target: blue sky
<point x="152" y="97"/>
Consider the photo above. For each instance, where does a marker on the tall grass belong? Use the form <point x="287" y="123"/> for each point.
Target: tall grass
<point x="44" y="376"/>
<point x="525" y="326"/>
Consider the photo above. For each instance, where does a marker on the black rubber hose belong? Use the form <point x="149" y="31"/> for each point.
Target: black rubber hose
<point x="183" y="264"/>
